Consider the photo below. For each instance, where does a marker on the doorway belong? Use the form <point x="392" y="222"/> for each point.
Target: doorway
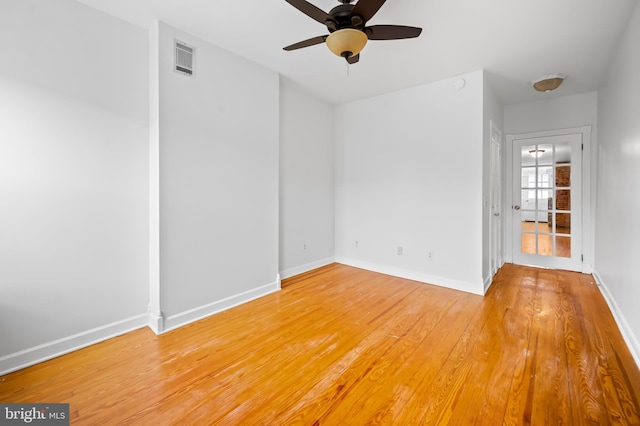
<point x="545" y="191"/>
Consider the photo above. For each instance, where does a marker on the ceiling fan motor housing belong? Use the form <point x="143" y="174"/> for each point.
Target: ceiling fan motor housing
<point x="343" y="19"/>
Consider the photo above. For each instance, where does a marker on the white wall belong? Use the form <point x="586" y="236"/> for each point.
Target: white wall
<point x="557" y="113"/>
<point x="218" y="139"/>
<point x="618" y="202"/>
<point x="73" y="178"/>
<point x="306" y="181"/>
<point x="408" y="172"/>
<point x="493" y="111"/>
<point x="552" y="113"/>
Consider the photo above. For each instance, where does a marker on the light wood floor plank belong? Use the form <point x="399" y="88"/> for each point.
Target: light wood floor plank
<point x="340" y="345"/>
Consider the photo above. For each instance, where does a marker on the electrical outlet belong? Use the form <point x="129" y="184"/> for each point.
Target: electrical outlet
<point x="430" y="255"/>
<point x="400" y="250"/>
<point x="304" y="246"/>
<point x="356" y="244"/>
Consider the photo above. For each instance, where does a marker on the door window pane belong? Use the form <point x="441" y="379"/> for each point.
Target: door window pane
<point x="529" y="226"/>
<point x="563" y="153"/>
<point x="528" y="243"/>
<point x="563" y="246"/>
<point x="563" y="176"/>
<point x="528" y="202"/>
<point x="563" y="199"/>
<point x="545" y="154"/>
<point x="544" y="226"/>
<point x="527" y="158"/>
<point x="528" y="177"/>
<point x="545" y="177"/>
<point x="544" y="199"/>
<point x="563" y="223"/>
<point x="545" y="245"/>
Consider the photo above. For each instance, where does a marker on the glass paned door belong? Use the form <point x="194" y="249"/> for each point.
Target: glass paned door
<point x="546" y="201"/>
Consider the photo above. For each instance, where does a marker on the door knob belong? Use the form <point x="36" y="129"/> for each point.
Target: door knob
<point x="516" y="207"/>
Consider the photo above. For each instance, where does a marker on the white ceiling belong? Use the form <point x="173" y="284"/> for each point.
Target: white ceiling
<point x="515" y="41"/>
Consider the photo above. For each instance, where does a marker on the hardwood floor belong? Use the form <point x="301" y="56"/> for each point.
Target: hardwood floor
<point x="343" y="346"/>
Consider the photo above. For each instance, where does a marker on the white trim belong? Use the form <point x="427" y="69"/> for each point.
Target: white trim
<point x="489" y="280"/>
<point x="183" y="318"/>
<point x="49" y="350"/>
<point x="495" y="253"/>
<point x="629" y="337"/>
<point x="155" y="314"/>
<point x="156" y="322"/>
<point x="507" y="208"/>
<point x="487" y="283"/>
<point x="306" y="267"/>
<point x="415" y="276"/>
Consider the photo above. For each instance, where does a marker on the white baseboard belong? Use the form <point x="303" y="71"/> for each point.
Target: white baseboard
<point x="487" y="283"/>
<point x="627" y="333"/>
<point x="172" y="322"/>
<point x="414" y="275"/>
<point x="489" y="280"/>
<point x="306" y="267"/>
<point x="25" y="358"/>
<point x="156" y="322"/>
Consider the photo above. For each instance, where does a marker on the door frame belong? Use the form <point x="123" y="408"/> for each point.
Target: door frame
<point x="496" y="222"/>
<point x="587" y="206"/>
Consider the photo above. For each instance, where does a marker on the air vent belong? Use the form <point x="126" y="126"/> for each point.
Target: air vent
<point x="184" y="58"/>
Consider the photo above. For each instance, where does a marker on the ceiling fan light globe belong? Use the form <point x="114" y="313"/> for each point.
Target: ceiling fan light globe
<point x="548" y="82"/>
<point x="346" y="40"/>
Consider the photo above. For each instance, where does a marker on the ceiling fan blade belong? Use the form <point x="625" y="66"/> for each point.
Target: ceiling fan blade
<point x="392" y="32"/>
<point x="353" y="59"/>
<point x="306" y="43"/>
<point x="367" y="8"/>
<point x="311" y="11"/>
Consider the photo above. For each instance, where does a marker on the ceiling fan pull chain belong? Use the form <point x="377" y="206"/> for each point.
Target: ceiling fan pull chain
<point x="348" y="69"/>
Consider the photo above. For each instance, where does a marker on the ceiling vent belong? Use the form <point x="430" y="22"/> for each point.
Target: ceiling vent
<point x="184" y="58"/>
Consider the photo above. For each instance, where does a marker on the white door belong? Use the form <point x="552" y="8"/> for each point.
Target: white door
<point x="496" y="201"/>
<point x="546" y="201"/>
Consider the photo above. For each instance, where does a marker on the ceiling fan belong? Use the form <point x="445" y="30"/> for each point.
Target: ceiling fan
<point x="348" y="33"/>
